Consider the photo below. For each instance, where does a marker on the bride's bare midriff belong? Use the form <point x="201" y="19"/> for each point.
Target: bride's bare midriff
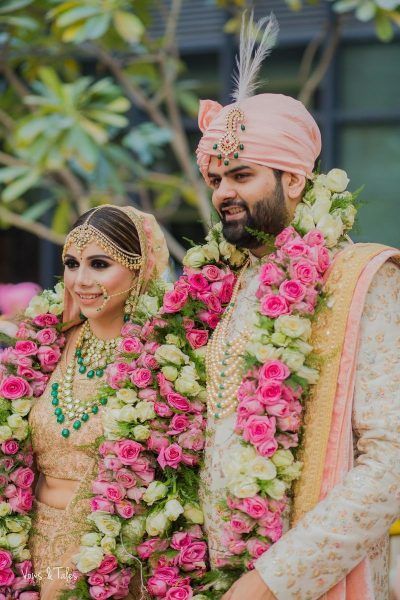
<point x="55" y="492"/>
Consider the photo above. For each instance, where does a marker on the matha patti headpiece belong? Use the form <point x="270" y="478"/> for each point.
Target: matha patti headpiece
<point x="86" y="233"/>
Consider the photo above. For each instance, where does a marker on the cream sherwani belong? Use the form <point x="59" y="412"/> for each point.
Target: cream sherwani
<point x="352" y="521"/>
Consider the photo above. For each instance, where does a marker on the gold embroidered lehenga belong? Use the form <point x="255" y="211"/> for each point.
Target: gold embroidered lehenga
<point x="55" y="535"/>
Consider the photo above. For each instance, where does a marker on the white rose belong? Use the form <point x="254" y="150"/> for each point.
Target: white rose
<point x="173" y="509"/>
<point x="302" y="346"/>
<point x="156" y="524"/>
<point x="22" y="406"/>
<point x="144" y="411"/>
<point x="141" y="433"/>
<point x="17" y="539"/>
<point x="291" y="472"/>
<point x="226" y="249"/>
<point x="193" y="514"/>
<point x="282" y="458"/>
<point x="56" y="309"/>
<point x="237" y="258"/>
<point x="14" y="525"/>
<point x="266" y="352"/>
<point x="194" y="258"/>
<point x="15" y="421"/>
<point x="169" y="372"/>
<point x="127" y="413"/>
<point x="91" y="539"/>
<point x="309" y="374"/>
<point x="186" y="381"/>
<point x="154" y="492"/>
<point x="200" y="352"/>
<point x="21" y="433"/>
<point x="133" y="529"/>
<point x="337" y="180"/>
<point x="275" y="489"/>
<point x="127" y="395"/>
<point x="113" y="429"/>
<point x="215" y="232"/>
<point x="173" y="339"/>
<point x="114" y="403"/>
<point x="5" y="433"/>
<point x="105" y="523"/>
<point x="243" y="487"/>
<point x="170" y="354"/>
<point x="348" y="215"/>
<point x="292" y="358"/>
<point x="320" y="181"/>
<point x="262" y="468"/>
<point x="148" y="305"/>
<point x="211" y="251"/>
<point x="5" y="509"/>
<point x="293" y="326"/>
<point x="21" y="554"/>
<point x="88" y="558"/>
<point x="37" y="306"/>
<point x="303" y="218"/>
<point x="332" y="228"/>
<point x="108" y="544"/>
<point x="320" y="208"/>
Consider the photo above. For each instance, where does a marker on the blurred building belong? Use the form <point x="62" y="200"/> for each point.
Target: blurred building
<point x="357" y="107"/>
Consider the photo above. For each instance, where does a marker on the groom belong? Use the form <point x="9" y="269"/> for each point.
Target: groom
<point x="348" y="495"/>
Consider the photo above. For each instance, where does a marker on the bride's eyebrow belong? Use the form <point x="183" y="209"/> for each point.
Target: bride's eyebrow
<point x="102" y="256"/>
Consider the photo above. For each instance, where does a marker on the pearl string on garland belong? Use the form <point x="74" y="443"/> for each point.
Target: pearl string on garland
<point x="224" y="361"/>
<point x="91" y="356"/>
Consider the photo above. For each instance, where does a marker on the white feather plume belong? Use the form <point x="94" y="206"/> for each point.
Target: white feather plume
<point x="249" y="60"/>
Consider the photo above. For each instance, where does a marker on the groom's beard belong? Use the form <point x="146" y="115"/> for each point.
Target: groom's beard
<point x="268" y="215"/>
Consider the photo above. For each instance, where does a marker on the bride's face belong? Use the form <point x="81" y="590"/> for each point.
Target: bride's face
<point x="91" y="275"/>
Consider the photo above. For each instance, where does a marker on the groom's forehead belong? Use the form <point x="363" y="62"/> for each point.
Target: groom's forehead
<point x="218" y="169"/>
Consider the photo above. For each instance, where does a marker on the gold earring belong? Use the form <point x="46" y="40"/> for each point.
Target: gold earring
<point x="130" y="303"/>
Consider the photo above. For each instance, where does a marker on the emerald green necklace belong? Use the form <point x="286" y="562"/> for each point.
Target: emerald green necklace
<point x="91" y="357"/>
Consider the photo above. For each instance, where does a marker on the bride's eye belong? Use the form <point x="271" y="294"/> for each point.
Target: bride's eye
<point x="70" y="263"/>
<point x="99" y="264"/>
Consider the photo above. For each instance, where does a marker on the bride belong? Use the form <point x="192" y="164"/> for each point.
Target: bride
<point x="110" y="257"/>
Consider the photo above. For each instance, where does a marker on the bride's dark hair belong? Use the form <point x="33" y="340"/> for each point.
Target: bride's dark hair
<point x="115" y="224"/>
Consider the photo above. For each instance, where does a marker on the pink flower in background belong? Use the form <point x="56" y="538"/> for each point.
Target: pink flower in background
<point x="45" y="320"/>
<point x="184" y="592"/>
<point x="293" y="290"/>
<point x="212" y="273"/>
<point x="289" y="233"/>
<point x="48" y="357"/>
<point x="174" y="300"/>
<point x="170" y="456"/>
<point x="274" y="305"/>
<point x="13" y="387"/>
<point x="271" y="274"/>
<point x="14" y="298"/>
<point x="128" y="451"/>
<point x="274" y="369"/>
<point x="197" y="337"/>
<point x="46" y="336"/>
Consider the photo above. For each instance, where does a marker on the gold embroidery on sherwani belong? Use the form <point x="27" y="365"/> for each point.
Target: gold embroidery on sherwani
<point x="328" y="333"/>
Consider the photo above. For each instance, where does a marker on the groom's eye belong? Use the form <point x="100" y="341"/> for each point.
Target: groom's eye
<point x="215" y="182"/>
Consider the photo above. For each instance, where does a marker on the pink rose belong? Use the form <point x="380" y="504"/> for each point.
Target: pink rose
<point x="106" y="447"/>
<point x="7" y="577"/>
<point x="315" y="237"/>
<point x="269" y="391"/>
<point x="46" y="336"/>
<point x="157" y="587"/>
<point x="295" y="248"/>
<point x="26" y="348"/>
<point x="23" y="477"/>
<point x="125" y="478"/>
<point x="293" y="290"/>
<point x="274" y="369"/>
<point x="141" y="377"/>
<point x="184" y="592"/>
<point x="197" y="282"/>
<point x="323" y="260"/>
<point x="164" y="385"/>
<point x="48" y="357"/>
<point x="13" y="387"/>
<point x="193" y="556"/>
<point x="22" y="502"/>
<point x="96" y="579"/>
<point x="274" y="305"/>
<point x="108" y="564"/>
<point x="271" y="274"/>
<point x="304" y="271"/>
<point x="115" y="492"/>
<point x="125" y="509"/>
<point x="45" y="320"/>
<point x="241" y="523"/>
<point x="258" y="429"/>
<point x="130" y="345"/>
<point x="179" y="423"/>
<point x="290" y="422"/>
<point x="147" y="361"/>
<point x="5" y="559"/>
<point x="174" y="300"/>
<point x="147" y="548"/>
<point x="131" y="329"/>
<point x="170" y="456"/>
<point x="197" y="338"/>
<point x="99" y="503"/>
<point x="211" y="319"/>
<point x="211" y="302"/>
<point x="29" y="596"/>
<point x="10" y="447"/>
<point x="257" y="547"/>
<point x="148" y="394"/>
<point x="289" y="233"/>
<point x="279" y="408"/>
<point x="128" y="451"/>
<point x="167" y="574"/>
<point x="156" y="441"/>
<point x="287" y="440"/>
<point x="256" y="507"/>
<point x="98" y="592"/>
<point x="178" y="402"/>
<point x="26" y="372"/>
<point x="212" y="273"/>
<point x="180" y="539"/>
<point x="192" y="439"/>
<point x="268" y="447"/>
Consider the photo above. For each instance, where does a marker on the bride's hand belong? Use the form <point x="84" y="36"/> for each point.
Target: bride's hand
<point x="249" y="587"/>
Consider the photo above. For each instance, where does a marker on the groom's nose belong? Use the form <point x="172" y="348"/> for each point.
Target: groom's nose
<point x="225" y="191"/>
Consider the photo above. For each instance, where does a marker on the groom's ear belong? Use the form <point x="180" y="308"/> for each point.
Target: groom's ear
<point x="293" y="186"/>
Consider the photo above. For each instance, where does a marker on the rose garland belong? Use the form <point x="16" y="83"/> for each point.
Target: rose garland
<point x="24" y="371"/>
<point x="145" y="498"/>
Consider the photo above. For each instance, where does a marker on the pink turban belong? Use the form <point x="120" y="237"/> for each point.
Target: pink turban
<point x="279" y="133"/>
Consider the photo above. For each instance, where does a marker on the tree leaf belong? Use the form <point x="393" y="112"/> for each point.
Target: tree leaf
<point x="107" y="117"/>
<point x="9" y="173"/>
<point x="61" y="219"/>
<point x="20" y="186"/>
<point x="97" y="26"/>
<point x="38" y="209"/>
<point x="10" y="5"/>
<point x="384" y="27"/>
<point x="79" y="13"/>
<point x="129" y="26"/>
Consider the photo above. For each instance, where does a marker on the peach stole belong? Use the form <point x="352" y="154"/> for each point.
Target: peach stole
<point x="327" y="448"/>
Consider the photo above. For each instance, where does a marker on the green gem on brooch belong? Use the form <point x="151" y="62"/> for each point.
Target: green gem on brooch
<point x="65" y="433"/>
<point x="82" y="369"/>
<point x="90" y="374"/>
<point x="58" y="411"/>
<point x="77" y="424"/>
<point x="85" y="417"/>
<point x="126" y="318"/>
<point x="99" y="372"/>
<point x="60" y="419"/>
<point x="95" y="409"/>
<point x="103" y="401"/>
<point x="54" y="401"/>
